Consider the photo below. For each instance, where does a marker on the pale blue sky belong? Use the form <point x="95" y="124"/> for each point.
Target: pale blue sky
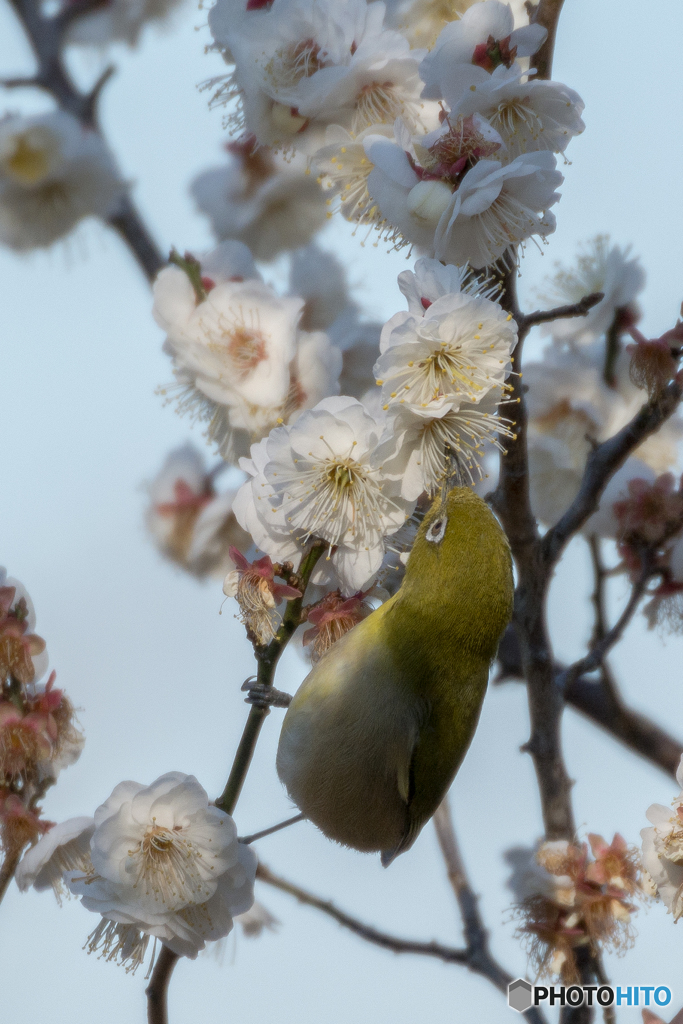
<point x="142" y="649"/>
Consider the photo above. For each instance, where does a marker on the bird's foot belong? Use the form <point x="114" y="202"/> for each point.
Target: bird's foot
<point x="263" y="696"/>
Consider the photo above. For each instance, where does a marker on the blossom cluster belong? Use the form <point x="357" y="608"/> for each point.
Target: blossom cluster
<point x="663" y="851"/>
<point x="153" y="861"/>
<point x="583" y="389"/>
<point x="38" y="733"/>
<point x="450" y="150"/>
<point x="342" y="469"/>
<point x="565" y="899"/>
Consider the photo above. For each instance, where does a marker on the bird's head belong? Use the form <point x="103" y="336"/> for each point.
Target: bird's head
<point x="460" y="568"/>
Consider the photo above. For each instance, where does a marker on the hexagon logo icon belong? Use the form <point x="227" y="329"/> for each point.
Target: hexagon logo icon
<point x="519" y="995"/>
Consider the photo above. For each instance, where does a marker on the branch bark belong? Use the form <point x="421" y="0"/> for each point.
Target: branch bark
<point x="476" y="935"/>
<point x="603" y="462"/>
<point x="157" y="990"/>
<point x="364" y="931"/>
<point x="601" y="702"/>
<point x="547" y="14"/>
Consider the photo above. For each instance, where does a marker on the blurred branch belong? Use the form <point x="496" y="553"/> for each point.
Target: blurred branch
<point x="601" y="702"/>
<point x="604" y="461"/>
<point x="47" y="38"/>
<point x="364" y="931"/>
<point x="580" y="308"/>
<point x="157" y="990"/>
<point x="476" y="936"/>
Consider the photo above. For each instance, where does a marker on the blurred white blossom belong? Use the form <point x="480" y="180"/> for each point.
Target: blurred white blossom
<point x="53" y="174"/>
<point x="663" y="850"/>
<point x="271" y="205"/>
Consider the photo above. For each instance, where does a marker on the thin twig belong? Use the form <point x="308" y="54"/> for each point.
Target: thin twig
<point x="364" y="931"/>
<point x="601" y="702"/>
<point x="476" y="935"/>
<point x="603" y="462"/>
<point x="580" y="308"/>
<point x="157" y="990"/>
<point x="273" y="828"/>
<point x="267" y="658"/>
<point x="595" y="656"/>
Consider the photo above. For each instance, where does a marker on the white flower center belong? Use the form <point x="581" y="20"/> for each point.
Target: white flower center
<point x="506" y="222"/>
<point x="166" y="861"/>
<point x="29" y="163"/>
<point x="377" y="103"/>
<point x="517" y="118"/>
<point x="465" y="434"/>
<point x="337" y="498"/>
<point x="289" y="65"/>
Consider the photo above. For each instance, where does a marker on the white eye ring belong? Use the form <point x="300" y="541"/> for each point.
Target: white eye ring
<point x="436" y="530"/>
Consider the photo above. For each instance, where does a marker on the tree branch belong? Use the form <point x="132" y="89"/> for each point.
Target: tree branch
<point x="364" y="931"/>
<point x="267" y="659"/>
<point x="157" y="990"/>
<point x="547" y="13"/>
<point x="476" y="935"/>
<point x="46" y="36"/>
<point x="600" y="701"/>
<point x="580" y="308"/>
<point x="603" y="462"/>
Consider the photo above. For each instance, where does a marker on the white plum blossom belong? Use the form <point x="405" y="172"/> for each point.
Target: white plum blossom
<point x="458" y="349"/>
<point x="571" y="407"/>
<point x="485" y="36"/>
<point x="321" y="478"/>
<point x="231" y="351"/>
<point x="528" y="115"/>
<point x="431" y="280"/>
<point x="421" y="21"/>
<point x="117" y="20"/>
<point x="599" y="267"/>
<point x="271" y="205"/>
<point x="53" y="174"/>
<point x="456" y="214"/>
<point x="530" y="879"/>
<point x="164" y="863"/>
<point x="414" y="455"/>
<point x="604" y="523"/>
<point x="66" y="847"/>
<point x="663" y="850"/>
<point x="343" y="169"/>
<point x="310" y="63"/>
<point x="190" y="522"/>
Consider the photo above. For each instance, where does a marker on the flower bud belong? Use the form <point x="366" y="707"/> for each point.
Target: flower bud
<point x="286" y="119"/>
<point x="427" y="201"/>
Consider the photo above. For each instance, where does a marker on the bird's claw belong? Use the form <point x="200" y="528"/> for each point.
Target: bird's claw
<point x="263" y="696"/>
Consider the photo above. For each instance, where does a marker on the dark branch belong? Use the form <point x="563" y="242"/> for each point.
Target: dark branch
<point x="267" y="658"/>
<point x="603" y="462"/>
<point x="476" y="936"/>
<point x="581" y="308"/>
<point x="364" y="931"/>
<point x="74" y="10"/>
<point x="157" y="990"/>
<point x="601" y="647"/>
<point x="273" y="828"/>
<point x="600" y="701"/>
<point x="46" y="36"/>
<point x="547" y="13"/>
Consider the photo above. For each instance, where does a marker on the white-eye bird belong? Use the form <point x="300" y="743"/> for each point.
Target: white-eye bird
<point x="375" y="734"/>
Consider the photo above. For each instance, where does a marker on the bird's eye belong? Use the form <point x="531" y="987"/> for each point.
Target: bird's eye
<point x="436" y="530"/>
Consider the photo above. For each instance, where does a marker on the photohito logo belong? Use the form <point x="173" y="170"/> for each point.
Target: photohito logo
<point x="522" y="995"/>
